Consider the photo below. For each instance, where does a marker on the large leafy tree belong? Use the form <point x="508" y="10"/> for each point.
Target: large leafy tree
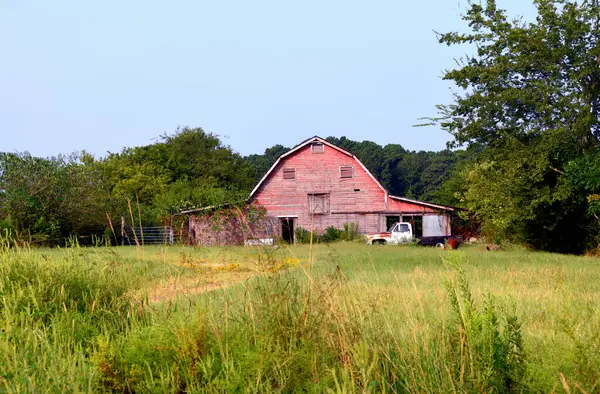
<point x="529" y="98"/>
<point x="188" y="168"/>
<point x="262" y="163"/>
<point x="51" y="198"/>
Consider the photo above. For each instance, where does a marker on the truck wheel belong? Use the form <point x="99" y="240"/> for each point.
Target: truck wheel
<point x="440" y="245"/>
<point x="378" y="242"/>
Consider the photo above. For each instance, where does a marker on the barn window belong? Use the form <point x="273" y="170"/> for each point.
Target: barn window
<point x="289" y="173"/>
<point x="317" y="147"/>
<point x="346" y="172"/>
<point x="318" y="203"/>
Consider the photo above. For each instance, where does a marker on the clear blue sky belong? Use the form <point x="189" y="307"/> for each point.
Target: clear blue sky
<point x="101" y="75"/>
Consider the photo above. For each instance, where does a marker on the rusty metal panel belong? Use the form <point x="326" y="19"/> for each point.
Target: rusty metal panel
<point x="406" y="207"/>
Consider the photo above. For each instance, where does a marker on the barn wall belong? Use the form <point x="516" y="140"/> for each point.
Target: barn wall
<point x="214" y="228"/>
<point x="367" y="222"/>
<point x="358" y="199"/>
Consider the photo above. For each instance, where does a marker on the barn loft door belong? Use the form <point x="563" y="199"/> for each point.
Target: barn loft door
<point x="318" y="203"/>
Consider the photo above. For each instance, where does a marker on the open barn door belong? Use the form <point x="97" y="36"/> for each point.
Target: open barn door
<point x="287" y="230"/>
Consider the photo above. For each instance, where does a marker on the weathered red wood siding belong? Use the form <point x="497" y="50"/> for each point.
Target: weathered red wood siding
<point x="358" y="199"/>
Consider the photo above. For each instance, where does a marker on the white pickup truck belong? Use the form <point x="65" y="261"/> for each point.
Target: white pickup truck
<point x="402" y="232"/>
<point x="397" y="234"/>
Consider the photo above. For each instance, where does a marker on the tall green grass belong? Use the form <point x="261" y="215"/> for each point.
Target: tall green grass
<point x="360" y="320"/>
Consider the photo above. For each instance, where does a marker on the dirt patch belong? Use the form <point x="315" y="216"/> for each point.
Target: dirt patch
<point x="186" y="287"/>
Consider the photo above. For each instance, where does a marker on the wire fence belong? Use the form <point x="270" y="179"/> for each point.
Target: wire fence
<point x="160" y="235"/>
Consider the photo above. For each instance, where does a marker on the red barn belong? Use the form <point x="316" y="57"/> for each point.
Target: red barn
<point x="318" y="184"/>
<point x="314" y="186"/>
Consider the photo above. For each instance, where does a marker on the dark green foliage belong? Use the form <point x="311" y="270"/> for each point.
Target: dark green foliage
<point x="529" y="102"/>
<point x="303" y="236"/>
<point x="331" y="234"/>
<point x="262" y="163"/>
<point x="5" y="224"/>
<point x="584" y="173"/>
<point x="350" y="232"/>
<point x="186" y="169"/>
<point x="46" y="200"/>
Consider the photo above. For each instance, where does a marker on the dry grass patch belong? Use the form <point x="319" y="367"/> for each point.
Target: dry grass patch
<point x="187" y="286"/>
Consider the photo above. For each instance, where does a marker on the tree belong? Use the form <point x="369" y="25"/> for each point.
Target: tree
<point x="262" y="163"/>
<point x="530" y="100"/>
<point x="52" y="198"/>
<point x="186" y="169"/>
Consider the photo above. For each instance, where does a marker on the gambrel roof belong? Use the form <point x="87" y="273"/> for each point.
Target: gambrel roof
<point x="333" y="146"/>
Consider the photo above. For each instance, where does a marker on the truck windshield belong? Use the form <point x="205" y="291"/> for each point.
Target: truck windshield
<point x="399" y="228"/>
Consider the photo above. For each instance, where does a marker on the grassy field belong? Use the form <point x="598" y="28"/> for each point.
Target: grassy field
<point x="338" y="318"/>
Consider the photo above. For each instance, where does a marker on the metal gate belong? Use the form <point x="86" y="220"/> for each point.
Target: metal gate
<point x="159" y="235"/>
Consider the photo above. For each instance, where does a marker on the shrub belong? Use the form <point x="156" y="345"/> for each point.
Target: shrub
<point x="350" y="232"/>
<point x="487" y="346"/>
<point x="331" y="234"/>
<point x="5" y="224"/>
<point x="303" y="236"/>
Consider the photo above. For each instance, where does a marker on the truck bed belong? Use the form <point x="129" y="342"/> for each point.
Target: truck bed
<point x="432" y="241"/>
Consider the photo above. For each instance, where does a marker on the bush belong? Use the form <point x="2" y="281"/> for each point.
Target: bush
<point x="5" y="224"/>
<point x="350" y="232"/>
<point x="303" y="236"/>
<point x="331" y="234"/>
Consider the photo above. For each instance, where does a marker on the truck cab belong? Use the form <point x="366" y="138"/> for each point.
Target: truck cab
<point x="402" y="232"/>
<point x="398" y="233"/>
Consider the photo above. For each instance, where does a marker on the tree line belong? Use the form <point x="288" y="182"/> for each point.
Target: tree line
<point x="46" y="200"/>
<point x="524" y="160"/>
